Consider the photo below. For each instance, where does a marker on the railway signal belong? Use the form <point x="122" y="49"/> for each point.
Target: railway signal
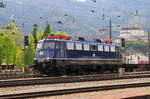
<point x="26" y="40"/>
<point x="123" y="50"/>
<point x="123" y="42"/>
<point x="2" y="5"/>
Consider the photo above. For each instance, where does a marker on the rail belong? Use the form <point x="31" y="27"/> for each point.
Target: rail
<point x="71" y="91"/>
<point x="55" y="80"/>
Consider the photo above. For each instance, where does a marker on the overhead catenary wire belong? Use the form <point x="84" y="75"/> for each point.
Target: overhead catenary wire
<point x="104" y="9"/>
<point x="58" y="13"/>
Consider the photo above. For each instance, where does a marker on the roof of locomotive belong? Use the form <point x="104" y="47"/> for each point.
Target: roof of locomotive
<point x="77" y="41"/>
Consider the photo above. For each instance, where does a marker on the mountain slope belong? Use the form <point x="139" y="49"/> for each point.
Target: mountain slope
<point x="78" y="18"/>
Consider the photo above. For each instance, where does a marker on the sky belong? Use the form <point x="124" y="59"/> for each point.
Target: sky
<point x="82" y="0"/>
<point x="87" y="14"/>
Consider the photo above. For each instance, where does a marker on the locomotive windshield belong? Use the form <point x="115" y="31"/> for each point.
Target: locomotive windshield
<point x="49" y="45"/>
<point x="39" y="45"/>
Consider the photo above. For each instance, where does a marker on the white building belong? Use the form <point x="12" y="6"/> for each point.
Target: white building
<point x="132" y="34"/>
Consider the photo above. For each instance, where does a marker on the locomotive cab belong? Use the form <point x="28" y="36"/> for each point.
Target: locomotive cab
<point x="45" y="50"/>
<point x="49" y="49"/>
<point x="47" y="53"/>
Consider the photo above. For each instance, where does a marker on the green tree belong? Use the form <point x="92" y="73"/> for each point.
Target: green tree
<point x="47" y="31"/>
<point x="11" y="44"/>
<point x="34" y="34"/>
<point x="29" y="51"/>
<point x="1" y="48"/>
<point x="37" y="34"/>
<point x="9" y="49"/>
<point x="19" y="58"/>
<point x="29" y="55"/>
<point x="40" y="33"/>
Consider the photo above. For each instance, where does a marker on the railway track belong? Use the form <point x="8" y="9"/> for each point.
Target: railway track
<point x="139" y="97"/>
<point x="71" y="91"/>
<point x="20" y="76"/>
<point x="17" y="76"/>
<point x="84" y="78"/>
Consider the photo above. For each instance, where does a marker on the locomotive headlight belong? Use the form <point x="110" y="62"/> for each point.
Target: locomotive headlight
<point x="41" y="53"/>
<point x="48" y="57"/>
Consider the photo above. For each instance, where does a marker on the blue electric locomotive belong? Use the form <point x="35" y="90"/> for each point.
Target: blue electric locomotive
<point x="57" y="56"/>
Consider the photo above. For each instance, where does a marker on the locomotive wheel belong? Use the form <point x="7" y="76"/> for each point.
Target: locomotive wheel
<point x="100" y="69"/>
<point x="46" y="68"/>
<point x="79" y="70"/>
<point x="60" y="71"/>
<point x="40" y="68"/>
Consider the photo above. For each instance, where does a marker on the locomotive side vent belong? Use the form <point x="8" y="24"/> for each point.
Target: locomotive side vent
<point x="81" y="39"/>
<point x="97" y="40"/>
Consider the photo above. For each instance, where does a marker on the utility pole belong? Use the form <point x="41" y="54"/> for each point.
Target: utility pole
<point x="149" y="45"/>
<point x="46" y="21"/>
<point x="110" y="27"/>
<point x="110" y="31"/>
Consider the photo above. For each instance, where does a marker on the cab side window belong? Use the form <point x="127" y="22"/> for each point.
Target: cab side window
<point x="100" y="48"/>
<point x="112" y="49"/>
<point x="86" y="47"/>
<point x="78" y="46"/>
<point x="94" y="47"/>
<point x="106" y="48"/>
<point x="70" y="46"/>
